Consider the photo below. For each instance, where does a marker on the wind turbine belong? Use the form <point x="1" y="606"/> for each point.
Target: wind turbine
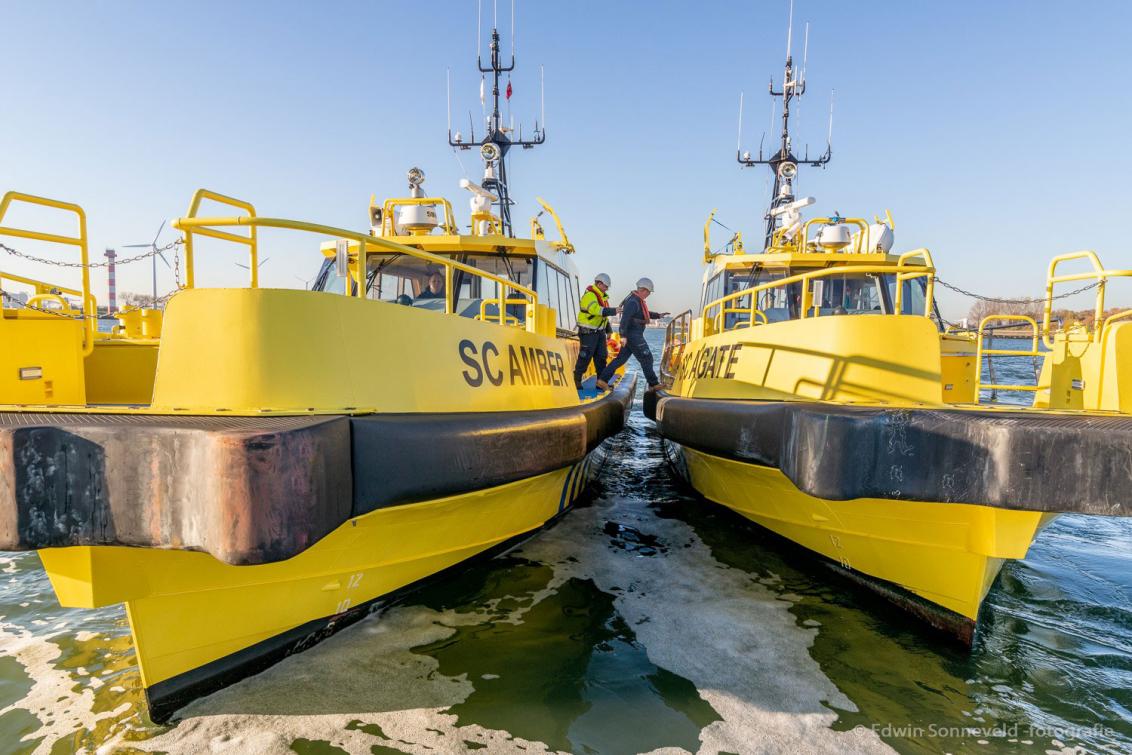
<point x="258" y="267"/>
<point x="156" y="253"/>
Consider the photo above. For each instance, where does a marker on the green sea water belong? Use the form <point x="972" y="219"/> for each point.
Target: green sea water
<point x="645" y="620"/>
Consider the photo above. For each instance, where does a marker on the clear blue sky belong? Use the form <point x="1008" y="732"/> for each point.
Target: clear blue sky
<point x="997" y="133"/>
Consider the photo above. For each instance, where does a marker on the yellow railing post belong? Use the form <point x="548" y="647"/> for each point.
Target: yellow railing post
<point x="450" y="296"/>
<point x="203" y="229"/>
<point x="929" y="289"/>
<point x="806" y="278"/>
<point x="90" y="307"/>
<point x="208" y="226"/>
<point x="981" y="352"/>
<point x="389" y="213"/>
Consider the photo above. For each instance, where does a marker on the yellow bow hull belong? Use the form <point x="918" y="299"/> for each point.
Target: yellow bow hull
<point x="199" y="623"/>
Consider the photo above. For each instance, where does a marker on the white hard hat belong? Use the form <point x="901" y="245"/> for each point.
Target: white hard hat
<point x="646" y="283"/>
<point x="603" y="278"/>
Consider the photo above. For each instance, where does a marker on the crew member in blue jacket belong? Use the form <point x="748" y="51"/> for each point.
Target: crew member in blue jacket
<point x="635" y="316"/>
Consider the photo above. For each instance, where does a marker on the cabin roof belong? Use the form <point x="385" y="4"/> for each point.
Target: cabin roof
<point x="448" y="244"/>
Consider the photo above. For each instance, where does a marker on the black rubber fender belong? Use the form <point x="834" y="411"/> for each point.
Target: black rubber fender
<point x="254" y="490"/>
<point x="1049" y="462"/>
<point x="403" y="458"/>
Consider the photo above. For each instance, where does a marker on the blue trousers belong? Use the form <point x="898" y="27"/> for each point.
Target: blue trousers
<point x="634" y="346"/>
<point x="591" y="347"/>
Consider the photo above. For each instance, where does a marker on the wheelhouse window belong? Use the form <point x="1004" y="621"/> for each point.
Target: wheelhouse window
<point x="404" y="279"/>
<point x="776" y="304"/>
<point x="913" y="295"/>
<point x="557" y="289"/>
<point x="848" y="295"/>
<point x="713" y="289"/>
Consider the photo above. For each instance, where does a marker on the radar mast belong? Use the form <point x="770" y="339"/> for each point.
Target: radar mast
<point x="500" y="138"/>
<point x="784" y="163"/>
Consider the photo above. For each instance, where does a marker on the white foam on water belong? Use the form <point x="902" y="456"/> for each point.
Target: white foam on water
<point x="713" y="625"/>
<point x="50" y="685"/>
<point x="362" y="676"/>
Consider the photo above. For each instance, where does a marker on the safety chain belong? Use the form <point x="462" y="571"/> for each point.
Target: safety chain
<point x="124" y="261"/>
<point x="52" y="312"/>
<point x="161" y="300"/>
<point x="980" y="297"/>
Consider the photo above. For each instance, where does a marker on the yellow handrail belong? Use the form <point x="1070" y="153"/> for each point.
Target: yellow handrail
<point x="801" y="239"/>
<point x="368" y="243"/>
<point x="929" y="292"/>
<point x="753" y="316"/>
<point x="806" y="278"/>
<point x="250" y="240"/>
<point x="41" y="287"/>
<point x="90" y="307"/>
<point x="389" y="218"/>
<point x="980" y="352"/>
<point x="1098" y="273"/>
<point x="494" y="224"/>
<point x="501" y="303"/>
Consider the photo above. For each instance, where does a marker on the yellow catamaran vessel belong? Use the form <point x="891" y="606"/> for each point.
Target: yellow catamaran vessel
<point x="251" y="468"/>
<point x="819" y="394"/>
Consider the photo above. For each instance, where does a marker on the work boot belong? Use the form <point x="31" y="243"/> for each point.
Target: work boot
<point x="602" y="385"/>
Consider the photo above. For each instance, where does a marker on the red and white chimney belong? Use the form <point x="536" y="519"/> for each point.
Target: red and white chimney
<point x="112" y="301"/>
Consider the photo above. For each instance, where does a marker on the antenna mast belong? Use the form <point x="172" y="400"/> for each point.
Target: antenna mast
<point x="498" y="134"/>
<point x="783" y="163"/>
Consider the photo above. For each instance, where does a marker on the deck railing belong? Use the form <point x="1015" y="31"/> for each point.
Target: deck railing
<point x="1098" y="274"/>
<point x="901" y="269"/>
<point x="89" y="306"/>
<point x="677" y="334"/>
<point x="356" y="263"/>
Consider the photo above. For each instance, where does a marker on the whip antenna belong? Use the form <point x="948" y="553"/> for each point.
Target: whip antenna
<point x="500" y="135"/>
<point x="805" y="54"/>
<point x="739" y="141"/>
<point x="789" y="28"/>
<point x="782" y="162"/>
<point x="829" y="137"/>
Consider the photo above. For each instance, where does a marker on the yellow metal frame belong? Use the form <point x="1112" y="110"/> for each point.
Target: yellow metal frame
<point x="900" y="269"/>
<point x="250" y="240"/>
<point x="389" y="209"/>
<point x="41" y="287"/>
<point x="371" y="244"/>
<point x="753" y="316"/>
<point x="798" y="246"/>
<point x="929" y="293"/>
<point x="564" y="244"/>
<point x="707" y="237"/>
<point x="90" y="307"/>
<point x="494" y="224"/>
<point x="1098" y="273"/>
<point x="737" y="239"/>
<point x="502" y="317"/>
<point x="980" y="352"/>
